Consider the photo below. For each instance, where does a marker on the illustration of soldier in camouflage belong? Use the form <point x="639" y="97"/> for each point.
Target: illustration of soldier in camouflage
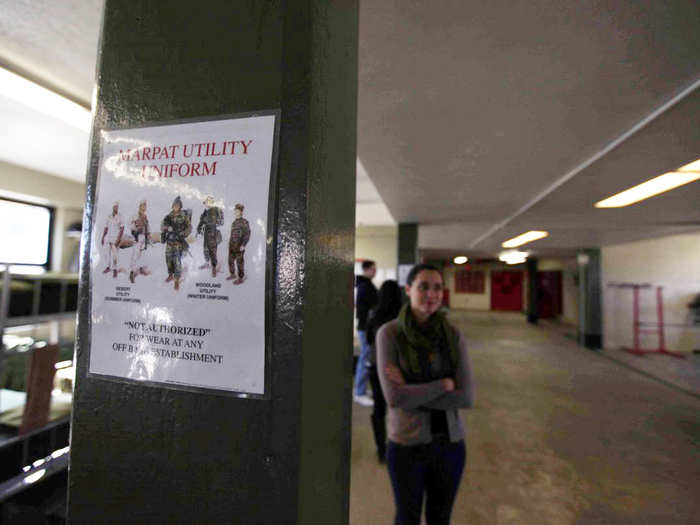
<point x="141" y="233"/>
<point x="114" y="229"/>
<point x="240" y="235"/>
<point x="175" y="228"/>
<point x="211" y="217"/>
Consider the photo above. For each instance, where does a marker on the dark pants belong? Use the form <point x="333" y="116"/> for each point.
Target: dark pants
<point x="235" y="260"/>
<point x="173" y="259"/>
<point x="210" y="247"/>
<point x="434" y="470"/>
<point x="378" y="413"/>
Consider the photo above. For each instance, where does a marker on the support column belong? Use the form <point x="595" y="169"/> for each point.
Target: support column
<point x="533" y="291"/>
<point x="590" y="319"/>
<point x="408" y="243"/>
<point x="59" y="237"/>
<point x="407" y="249"/>
<point x="152" y="455"/>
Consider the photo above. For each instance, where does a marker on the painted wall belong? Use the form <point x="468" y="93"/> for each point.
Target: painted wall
<point x="469" y="301"/>
<point x="66" y="196"/>
<point x="672" y="262"/>
<point x="549" y="265"/>
<point x="483" y="301"/>
<point x="52" y="190"/>
<point x="380" y="244"/>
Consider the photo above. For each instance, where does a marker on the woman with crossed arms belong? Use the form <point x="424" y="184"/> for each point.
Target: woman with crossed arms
<point x="425" y="374"/>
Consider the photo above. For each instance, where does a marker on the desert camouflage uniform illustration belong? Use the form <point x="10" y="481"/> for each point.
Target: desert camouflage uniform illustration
<point x="211" y="217"/>
<point x="141" y="232"/>
<point x="240" y="235"/>
<point x="113" y="231"/>
<point x="175" y="228"/>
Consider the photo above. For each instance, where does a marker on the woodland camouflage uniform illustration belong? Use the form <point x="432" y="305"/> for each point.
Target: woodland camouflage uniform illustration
<point x="175" y="228"/>
<point x="240" y="235"/>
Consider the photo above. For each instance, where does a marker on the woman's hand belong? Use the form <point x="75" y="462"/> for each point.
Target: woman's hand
<point x="448" y="384"/>
<point x="394" y="375"/>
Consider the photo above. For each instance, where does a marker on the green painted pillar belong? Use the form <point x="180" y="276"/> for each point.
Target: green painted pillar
<point x="407" y="249"/>
<point x="143" y="454"/>
<point x="408" y="243"/>
<point x="590" y="318"/>
<point x="533" y="291"/>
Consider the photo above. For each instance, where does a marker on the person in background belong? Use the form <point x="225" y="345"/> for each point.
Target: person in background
<point x="425" y="374"/>
<point x="366" y="299"/>
<point x="387" y="309"/>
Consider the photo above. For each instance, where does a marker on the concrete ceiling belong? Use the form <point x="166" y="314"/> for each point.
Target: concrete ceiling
<point x="370" y="209"/>
<point x="54" y="44"/>
<point x="31" y="139"/>
<point x="468" y="112"/>
<point x="568" y="212"/>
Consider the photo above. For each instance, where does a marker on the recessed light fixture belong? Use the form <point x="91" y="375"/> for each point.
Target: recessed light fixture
<point x="33" y="95"/>
<point x="524" y="238"/>
<point x="460" y="259"/>
<point x="513" y="257"/>
<point x="668" y="181"/>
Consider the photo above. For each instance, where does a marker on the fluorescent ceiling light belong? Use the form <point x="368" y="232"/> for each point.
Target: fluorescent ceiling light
<point x="647" y="189"/>
<point x="34" y="477"/>
<point x="668" y="181"/>
<point x="460" y="259"/>
<point x="28" y="93"/>
<point x="693" y="166"/>
<point x="524" y="238"/>
<point x="513" y="257"/>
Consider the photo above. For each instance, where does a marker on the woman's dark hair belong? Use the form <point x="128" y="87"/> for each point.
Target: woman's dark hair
<point x="387" y="309"/>
<point x="389" y="302"/>
<point x="418" y="268"/>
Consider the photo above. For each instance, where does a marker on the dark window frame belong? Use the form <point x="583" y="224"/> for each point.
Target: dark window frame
<point x="49" y="247"/>
<point x="470" y="282"/>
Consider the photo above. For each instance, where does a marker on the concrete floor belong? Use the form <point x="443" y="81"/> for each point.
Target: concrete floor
<point x="559" y="435"/>
<point x="683" y="373"/>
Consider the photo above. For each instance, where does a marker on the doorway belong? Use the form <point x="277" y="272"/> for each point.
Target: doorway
<point x="549" y="300"/>
<point x="506" y="290"/>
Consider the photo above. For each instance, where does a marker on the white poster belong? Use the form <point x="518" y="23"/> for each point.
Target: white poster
<point x="178" y="254"/>
<point x="404" y="270"/>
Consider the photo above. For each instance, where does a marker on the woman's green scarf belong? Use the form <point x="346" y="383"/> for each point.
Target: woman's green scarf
<point x="417" y="343"/>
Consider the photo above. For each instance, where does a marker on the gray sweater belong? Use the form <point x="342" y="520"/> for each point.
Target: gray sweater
<point x="408" y="421"/>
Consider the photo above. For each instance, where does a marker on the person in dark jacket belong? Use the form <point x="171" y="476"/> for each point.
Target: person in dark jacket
<point x="387" y="309"/>
<point x="366" y="299"/>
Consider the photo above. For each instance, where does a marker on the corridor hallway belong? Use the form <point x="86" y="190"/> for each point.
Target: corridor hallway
<point x="559" y="435"/>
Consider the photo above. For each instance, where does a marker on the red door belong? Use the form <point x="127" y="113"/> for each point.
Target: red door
<point x="507" y="291"/>
<point x="549" y="299"/>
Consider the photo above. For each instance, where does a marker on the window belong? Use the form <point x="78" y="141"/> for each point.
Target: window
<point x="25" y="233"/>
<point x="469" y="281"/>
